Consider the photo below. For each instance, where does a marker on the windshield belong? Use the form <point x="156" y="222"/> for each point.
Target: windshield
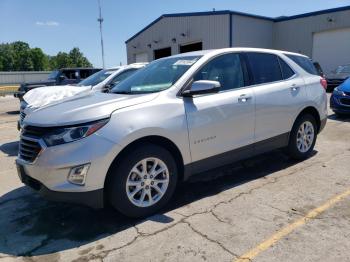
<point x="53" y="74"/>
<point x="345" y="69"/>
<point x="157" y="76"/>
<point x="97" y="77"/>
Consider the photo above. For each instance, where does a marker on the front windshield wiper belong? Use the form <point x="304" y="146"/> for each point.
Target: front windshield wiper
<point x="122" y="92"/>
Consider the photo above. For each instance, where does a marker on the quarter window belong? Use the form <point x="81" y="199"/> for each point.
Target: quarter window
<point x="225" y="69"/>
<point x="287" y="72"/>
<point x="305" y="63"/>
<point x="264" y="67"/>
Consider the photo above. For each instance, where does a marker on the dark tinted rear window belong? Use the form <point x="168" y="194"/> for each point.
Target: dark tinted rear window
<point x="287" y="72"/>
<point x="305" y="63"/>
<point x="265" y="67"/>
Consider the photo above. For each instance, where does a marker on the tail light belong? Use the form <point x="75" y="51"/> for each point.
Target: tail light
<point x="323" y="82"/>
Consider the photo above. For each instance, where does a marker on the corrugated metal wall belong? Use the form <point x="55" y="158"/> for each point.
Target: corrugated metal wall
<point x="251" y="32"/>
<point x="212" y="30"/>
<point x="9" y="78"/>
<point x="296" y="35"/>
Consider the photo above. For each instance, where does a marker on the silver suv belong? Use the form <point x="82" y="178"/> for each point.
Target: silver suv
<point x="177" y="117"/>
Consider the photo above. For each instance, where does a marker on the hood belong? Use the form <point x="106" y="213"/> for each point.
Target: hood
<point x="29" y="85"/>
<point x="337" y="76"/>
<point x="345" y="86"/>
<point x="43" y="96"/>
<point x="81" y="109"/>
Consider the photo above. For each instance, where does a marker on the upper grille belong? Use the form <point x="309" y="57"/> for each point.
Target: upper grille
<point x="29" y="146"/>
<point x="22" y="115"/>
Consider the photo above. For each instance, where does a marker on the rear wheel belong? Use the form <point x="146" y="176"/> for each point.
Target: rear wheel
<point x="303" y="137"/>
<point x="143" y="182"/>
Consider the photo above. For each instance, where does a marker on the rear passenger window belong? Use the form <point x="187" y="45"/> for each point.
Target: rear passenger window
<point x="225" y="69"/>
<point x="304" y="62"/>
<point x="287" y="72"/>
<point x="265" y="68"/>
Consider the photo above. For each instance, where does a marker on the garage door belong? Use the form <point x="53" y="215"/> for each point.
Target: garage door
<point x="142" y="57"/>
<point x="332" y="48"/>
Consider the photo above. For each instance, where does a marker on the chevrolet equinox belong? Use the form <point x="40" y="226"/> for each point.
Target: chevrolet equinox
<point x="178" y="116"/>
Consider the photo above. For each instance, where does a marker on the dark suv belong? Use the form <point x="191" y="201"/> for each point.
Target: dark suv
<point x="65" y="76"/>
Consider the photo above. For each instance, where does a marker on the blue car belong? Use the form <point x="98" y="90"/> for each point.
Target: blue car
<point x="340" y="99"/>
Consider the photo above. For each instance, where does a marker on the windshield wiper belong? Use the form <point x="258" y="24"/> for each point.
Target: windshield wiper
<point x="122" y="92"/>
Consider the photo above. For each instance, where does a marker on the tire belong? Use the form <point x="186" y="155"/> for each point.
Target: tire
<point x="303" y="149"/>
<point x="120" y="195"/>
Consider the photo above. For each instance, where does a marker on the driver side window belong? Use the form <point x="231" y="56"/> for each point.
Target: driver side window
<point x="226" y="69"/>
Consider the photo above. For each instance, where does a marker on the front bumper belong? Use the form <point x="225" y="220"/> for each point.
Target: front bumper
<point x="92" y="199"/>
<point x="337" y="106"/>
<point x="48" y="173"/>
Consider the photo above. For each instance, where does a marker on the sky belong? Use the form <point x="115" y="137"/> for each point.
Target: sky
<point x="60" y="25"/>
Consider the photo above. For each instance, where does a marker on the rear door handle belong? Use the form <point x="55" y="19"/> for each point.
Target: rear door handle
<point x="244" y="98"/>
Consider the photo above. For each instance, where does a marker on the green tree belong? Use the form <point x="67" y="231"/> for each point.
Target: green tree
<point x="23" y="61"/>
<point x="78" y="59"/>
<point x="7" y="60"/>
<point x="59" y="61"/>
<point x="39" y="59"/>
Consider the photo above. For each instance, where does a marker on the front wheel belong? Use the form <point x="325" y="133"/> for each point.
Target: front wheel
<point x="143" y="181"/>
<point x="302" y="137"/>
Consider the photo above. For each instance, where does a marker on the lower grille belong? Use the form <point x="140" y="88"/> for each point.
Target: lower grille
<point x="345" y="101"/>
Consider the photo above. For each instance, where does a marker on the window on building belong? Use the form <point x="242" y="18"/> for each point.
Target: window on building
<point x="225" y="69"/>
<point x="265" y="67"/>
<point x="191" y="47"/>
<point x="164" y="52"/>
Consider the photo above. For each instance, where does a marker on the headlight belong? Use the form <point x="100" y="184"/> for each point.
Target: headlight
<point x="69" y="134"/>
<point x="337" y="92"/>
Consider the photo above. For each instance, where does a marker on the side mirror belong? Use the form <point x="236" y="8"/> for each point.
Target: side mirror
<point x="61" y="78"/>
<point x="202" y="87"/>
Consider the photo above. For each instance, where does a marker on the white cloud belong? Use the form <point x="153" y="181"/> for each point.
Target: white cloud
<point x="47" y="23"/>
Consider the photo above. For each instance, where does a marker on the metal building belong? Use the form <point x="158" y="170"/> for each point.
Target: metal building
<point x="323" y="35"/>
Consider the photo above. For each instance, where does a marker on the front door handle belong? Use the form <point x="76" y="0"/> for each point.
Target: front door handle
<point x="244" y="98"/>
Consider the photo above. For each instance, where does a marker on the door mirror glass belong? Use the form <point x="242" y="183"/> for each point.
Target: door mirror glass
<point x="202" y="87"/>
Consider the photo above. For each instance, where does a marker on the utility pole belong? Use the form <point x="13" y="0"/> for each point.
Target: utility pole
<point x="100" y="20"/>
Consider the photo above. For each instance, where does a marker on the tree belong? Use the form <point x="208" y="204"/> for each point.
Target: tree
<point x="39" y="59"/>
<point x="18" y="56"/>
<point x="6" y="57"/>
<point x="78" y="59"/>
<point x="23" y="61"/>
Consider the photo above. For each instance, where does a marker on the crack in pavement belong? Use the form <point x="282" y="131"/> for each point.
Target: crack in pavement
<point x="209" y="239"/>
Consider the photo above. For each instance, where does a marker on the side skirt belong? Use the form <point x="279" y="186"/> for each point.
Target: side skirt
<point x="236" y="155"/>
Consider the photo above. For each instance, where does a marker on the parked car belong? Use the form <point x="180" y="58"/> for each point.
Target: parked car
<point x="102" y="81"/>
<point x="338" y="76"/>
<point x="65" y="76"/>
<point x="340" y="99"/>
<point x="179" y="116"/>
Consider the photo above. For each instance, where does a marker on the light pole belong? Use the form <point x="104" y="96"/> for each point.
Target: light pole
<point x="100" y="20"/>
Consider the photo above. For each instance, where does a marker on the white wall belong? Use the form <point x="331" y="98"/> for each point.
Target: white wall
<point x="251" y="32"/>
<point x="21" y="77"/>
<point x="212" y="30"/>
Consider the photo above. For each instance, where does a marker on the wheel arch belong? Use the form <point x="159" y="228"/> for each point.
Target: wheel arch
<point x="155" y="140"/>
<point x="312" y="111"/>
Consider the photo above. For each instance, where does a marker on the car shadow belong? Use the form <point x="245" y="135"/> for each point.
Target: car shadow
<point x="340" y="118"/>
<point x="11" y="149"/>
<point x="30" y="225"/>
